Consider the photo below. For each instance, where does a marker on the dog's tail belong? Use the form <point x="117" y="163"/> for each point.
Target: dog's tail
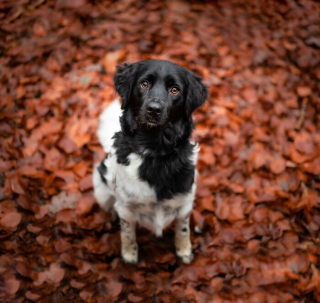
<point x="109" y="124"/>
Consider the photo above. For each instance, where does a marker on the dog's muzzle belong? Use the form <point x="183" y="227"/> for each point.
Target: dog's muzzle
<point x="154" y="111"/>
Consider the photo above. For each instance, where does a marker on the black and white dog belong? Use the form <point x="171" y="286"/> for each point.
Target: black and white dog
<point x="148" y="176"/>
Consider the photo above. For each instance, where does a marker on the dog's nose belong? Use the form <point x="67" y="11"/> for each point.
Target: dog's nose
<point x="154" y="109"/>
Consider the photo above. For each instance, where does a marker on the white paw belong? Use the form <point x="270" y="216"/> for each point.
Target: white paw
<point x="130" y="255"/>
<point x="186" y="255"/>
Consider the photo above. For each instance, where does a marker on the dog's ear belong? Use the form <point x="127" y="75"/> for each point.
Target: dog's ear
<point x="196" y="93"/>
<point x="123" y="81"/>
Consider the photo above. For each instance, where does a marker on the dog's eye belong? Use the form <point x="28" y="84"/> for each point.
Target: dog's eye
<point x="174" y="90"/>
<point x="145" y="84"/>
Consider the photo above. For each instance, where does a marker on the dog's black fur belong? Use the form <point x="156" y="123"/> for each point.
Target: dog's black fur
<point x="162" y="139"/>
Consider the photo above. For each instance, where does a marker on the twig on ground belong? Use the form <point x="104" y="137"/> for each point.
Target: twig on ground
<point x="302" y="114"/>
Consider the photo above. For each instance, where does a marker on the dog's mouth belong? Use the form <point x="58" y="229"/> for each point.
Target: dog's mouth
<point x="149" y="123"/>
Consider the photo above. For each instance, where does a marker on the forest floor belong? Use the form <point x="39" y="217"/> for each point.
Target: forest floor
<point x="258" y="195"/>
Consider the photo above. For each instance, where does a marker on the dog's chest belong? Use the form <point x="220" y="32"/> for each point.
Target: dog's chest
<point x="129" y="187"/>
<point x="138" y="199"/>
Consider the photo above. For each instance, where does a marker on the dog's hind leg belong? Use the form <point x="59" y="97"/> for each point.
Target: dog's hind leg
<point x="103" y="193"/>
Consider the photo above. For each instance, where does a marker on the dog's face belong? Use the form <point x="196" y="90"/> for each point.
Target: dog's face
<point x="159" y="92"/>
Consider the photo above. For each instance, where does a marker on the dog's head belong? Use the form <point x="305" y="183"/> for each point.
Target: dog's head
<point x="158" y="92"/>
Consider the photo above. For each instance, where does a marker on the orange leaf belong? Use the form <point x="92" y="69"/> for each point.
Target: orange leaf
<point x="278" y="165"/>
<point x="86" y="183"/>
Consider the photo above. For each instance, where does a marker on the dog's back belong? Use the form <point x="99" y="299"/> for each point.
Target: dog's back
<point x="109" y="125"/>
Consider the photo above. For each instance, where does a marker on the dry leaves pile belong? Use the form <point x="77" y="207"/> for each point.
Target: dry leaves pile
<point x="257" y="205"/>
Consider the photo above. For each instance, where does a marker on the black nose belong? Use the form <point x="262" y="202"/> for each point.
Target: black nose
<point x="154" y="109"/>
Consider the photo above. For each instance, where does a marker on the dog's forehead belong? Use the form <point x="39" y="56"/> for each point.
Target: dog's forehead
<point x="162" y="68"/>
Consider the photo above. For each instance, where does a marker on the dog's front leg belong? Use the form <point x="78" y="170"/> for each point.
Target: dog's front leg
<point x="182" y="240"/>
<point x="129" y="246"/>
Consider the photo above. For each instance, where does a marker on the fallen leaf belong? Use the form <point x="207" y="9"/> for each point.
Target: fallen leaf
<point x="303" y="91"/>
<point x="16" y="185"/>
<point x="112" y="59"/>
<point x="86" y="183"/>
<point x="84" y="206"/>
<point x="278" y="165"/>
<point x="11" y="220"/>
<point x="55" y="273"/>
<point x="12" y="286"/>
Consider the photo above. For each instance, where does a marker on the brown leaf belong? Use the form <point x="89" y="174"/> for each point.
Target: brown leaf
<point x="134" y="298"/>
<point x="48" y="128"/>
<point x="41" y="211"/>
<point x="70" y="4"/>
<point x="85" y="205"/>
<point x="66" y="175"/>
<point x="81" y="169"/>
<point x="42" y="240"/>
<point x="76" y="284"/>
<point x="236" y="209"/>
<point x="52" y="159"/>
<point x="11" y="220"/>
<point x="32" y="296"/>
<point x="55" y="273"/>
<point x="84" y="268"/>
<point x="296" y="156"/>
<point x="16" y="185"/>
<point x="85" y="295"/>
<point x="67" y="145"/>
<point x="250" y="95"/>
<point x="25" y="203"/>
<point x="303" y="143"/>
<point x="304" y="91"/>
<point x="312" y="167"/>
<point x="115" y="289"/>
<point x="206" y="203"/>
<point x="112" y="59"/>
<point x="29" y="148"/>
<point x="31" y="172"/>
<point x="278" y="165"/>
<point x="211" y="181"/>
<point x="12" y="286"/>
<point x="66" y="216"/>
<point x="33" y="229"/>
<point x="203" y="191"/>
<point x="62" y="245"/>
<point x="222" y="210"/>
<point x="228" y="235"/>
<point x="207" y="158"/>
<point x="199" y="221"/>
<point x="40" y="278"/>
<point x="86" y="183"/>
<point x="237" y="188"/>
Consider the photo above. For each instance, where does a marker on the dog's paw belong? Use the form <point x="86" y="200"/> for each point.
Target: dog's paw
<point x="130" y="255"/>
<point x="185" y="255"/>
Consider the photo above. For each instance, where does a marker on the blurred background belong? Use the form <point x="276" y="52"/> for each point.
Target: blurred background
<point x="258" y="196"/>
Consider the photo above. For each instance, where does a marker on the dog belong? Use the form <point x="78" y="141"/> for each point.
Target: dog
<point x="148" y="176"/>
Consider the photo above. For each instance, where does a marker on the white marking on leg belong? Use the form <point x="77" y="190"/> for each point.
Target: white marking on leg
<point x="129" y="246"/>
<point x="182" y="240"/>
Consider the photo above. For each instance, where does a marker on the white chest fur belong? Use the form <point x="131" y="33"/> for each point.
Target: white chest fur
<point x="136" y="200"/>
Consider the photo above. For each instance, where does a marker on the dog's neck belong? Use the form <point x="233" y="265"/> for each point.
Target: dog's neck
<point x="154" y="142"/>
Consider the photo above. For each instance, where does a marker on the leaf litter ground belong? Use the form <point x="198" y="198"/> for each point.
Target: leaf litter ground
<point x="257" y="211"/>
